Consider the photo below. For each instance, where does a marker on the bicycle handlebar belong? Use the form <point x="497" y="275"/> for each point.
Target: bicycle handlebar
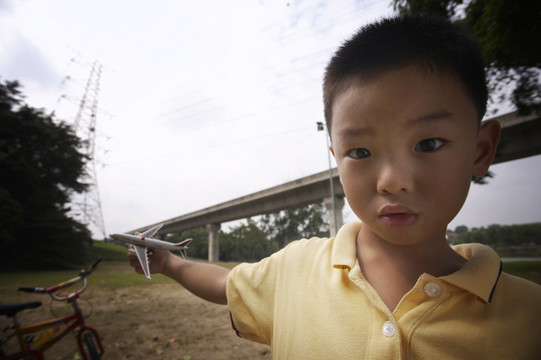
<point x="52" y="289"/>
<point x="86" y="272"/>
<point x="32" y="289"/>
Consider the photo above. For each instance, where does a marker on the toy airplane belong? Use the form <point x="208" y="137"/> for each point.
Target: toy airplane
<point x="143" y="241"/>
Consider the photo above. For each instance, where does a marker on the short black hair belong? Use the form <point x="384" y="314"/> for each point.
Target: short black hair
<point x="434" y="44"/>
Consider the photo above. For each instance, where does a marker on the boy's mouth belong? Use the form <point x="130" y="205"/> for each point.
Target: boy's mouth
<point x="397" y="216"/>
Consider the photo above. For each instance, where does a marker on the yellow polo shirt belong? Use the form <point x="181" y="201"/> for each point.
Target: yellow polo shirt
<point x="311" y="301"/>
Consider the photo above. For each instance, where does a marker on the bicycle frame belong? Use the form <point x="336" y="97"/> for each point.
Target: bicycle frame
<point x="72" y="322"/>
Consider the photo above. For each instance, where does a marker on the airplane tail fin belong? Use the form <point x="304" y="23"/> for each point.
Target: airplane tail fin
<point x="183" y="245"/>
<point x="183" y="254"/>
<point x="184" y="242"/>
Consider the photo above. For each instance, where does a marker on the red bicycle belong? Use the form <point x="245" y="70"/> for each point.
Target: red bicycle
<point x="35" y="339"/>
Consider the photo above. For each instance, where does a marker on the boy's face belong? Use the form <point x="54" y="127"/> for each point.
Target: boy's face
<point x="406" y="144"/>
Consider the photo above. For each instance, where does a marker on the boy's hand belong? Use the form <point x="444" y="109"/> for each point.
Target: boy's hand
<point x="156" y="262"/>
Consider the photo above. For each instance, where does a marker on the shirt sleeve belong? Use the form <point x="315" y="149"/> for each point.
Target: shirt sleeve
<point x="251" y="290"/>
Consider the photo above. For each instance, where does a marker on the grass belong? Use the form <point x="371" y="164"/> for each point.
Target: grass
<point x="530" y="270"/>
<point x="110" y="275"/>
<point x="34" y="278"/>
<point x="108" y="251"/>
<point x="519" y="251"/>
<point x="122" y="279"/>
<point x="115" y="274"/>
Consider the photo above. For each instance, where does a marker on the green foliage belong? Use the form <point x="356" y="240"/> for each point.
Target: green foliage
<point x="246" y="242"/>
<point x="107" y="251"/>
<point x="289" y="225"/>
<point x="499" y="236"/>
<point x="41" y="167"/>
<point x="252" y="241"/>
<point x="508" y="32"/>
<point x="199" y="247"/>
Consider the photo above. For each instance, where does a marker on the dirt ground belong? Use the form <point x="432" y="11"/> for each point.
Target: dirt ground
<point x="162" y="321"/>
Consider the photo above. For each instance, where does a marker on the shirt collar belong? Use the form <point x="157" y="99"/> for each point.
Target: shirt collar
<point x="479" y="275"/>
<point x="344" y="254"/>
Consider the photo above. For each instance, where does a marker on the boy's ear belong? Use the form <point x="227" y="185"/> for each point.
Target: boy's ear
<point x="332" y="150"/>
<point x="487" y="143"/>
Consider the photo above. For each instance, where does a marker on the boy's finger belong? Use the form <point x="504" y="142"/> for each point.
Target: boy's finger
<point x="135" y="265"/>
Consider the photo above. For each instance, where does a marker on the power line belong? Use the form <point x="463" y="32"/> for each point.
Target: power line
<point x="299" y="35"/>
<point x="214" y="146"/>
<point x="270" y="77"/>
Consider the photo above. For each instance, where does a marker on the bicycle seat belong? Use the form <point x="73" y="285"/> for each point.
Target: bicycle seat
<point x="11" y="309"/>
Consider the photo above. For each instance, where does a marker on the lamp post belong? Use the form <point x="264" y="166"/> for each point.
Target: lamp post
<point x="321" y="127"/>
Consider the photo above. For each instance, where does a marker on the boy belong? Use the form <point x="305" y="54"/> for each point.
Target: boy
<point x="404" y="99"/>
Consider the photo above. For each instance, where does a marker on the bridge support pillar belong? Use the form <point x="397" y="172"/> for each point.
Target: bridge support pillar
<point x="214" y="249"/>
<point x="334" y="206"/>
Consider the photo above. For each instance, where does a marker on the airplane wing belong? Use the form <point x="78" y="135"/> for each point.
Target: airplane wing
<point x="141" y="252"/>
<point x="151" y="231"/>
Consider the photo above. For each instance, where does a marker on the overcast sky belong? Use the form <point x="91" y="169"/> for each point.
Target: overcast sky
<point x="201" y="102"/>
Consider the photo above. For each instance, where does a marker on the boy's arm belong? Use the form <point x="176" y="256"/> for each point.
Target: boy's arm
<point x="208" y="281"/>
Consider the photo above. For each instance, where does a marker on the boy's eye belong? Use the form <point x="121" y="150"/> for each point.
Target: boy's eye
<point x="358" y="153"/>
<point x="429" y="145"/>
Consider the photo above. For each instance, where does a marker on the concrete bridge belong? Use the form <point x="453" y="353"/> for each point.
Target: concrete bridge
<point x="307" y="190"/>
<point x="521" y="137"/>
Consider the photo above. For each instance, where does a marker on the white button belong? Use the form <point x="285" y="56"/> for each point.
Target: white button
<point x="388" y="329"/>
<point x="432" y="289"/>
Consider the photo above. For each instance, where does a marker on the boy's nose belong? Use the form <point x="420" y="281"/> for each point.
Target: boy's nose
<point x="394" y="176"/>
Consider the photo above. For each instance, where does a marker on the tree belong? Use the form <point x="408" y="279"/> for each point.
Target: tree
<point x="41" y="168"/>
<point x="246" y="242"/>
<point x="199" y="247"/>
<point x="509" y="33"/>
<point x="252" y="241"/>
<point x="461" y="229"/>
<point x="504" y="235"/>
<point x="294" y="224"/>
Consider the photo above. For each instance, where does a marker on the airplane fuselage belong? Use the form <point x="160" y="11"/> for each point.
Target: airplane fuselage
<point x="144" y="241"/>
<point x="150" y="243"/>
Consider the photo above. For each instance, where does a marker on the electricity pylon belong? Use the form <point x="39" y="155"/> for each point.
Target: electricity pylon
<point x="88" y="204"/>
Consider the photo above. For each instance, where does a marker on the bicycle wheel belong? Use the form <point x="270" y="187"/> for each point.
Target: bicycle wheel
<point x="88" y="339"/>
